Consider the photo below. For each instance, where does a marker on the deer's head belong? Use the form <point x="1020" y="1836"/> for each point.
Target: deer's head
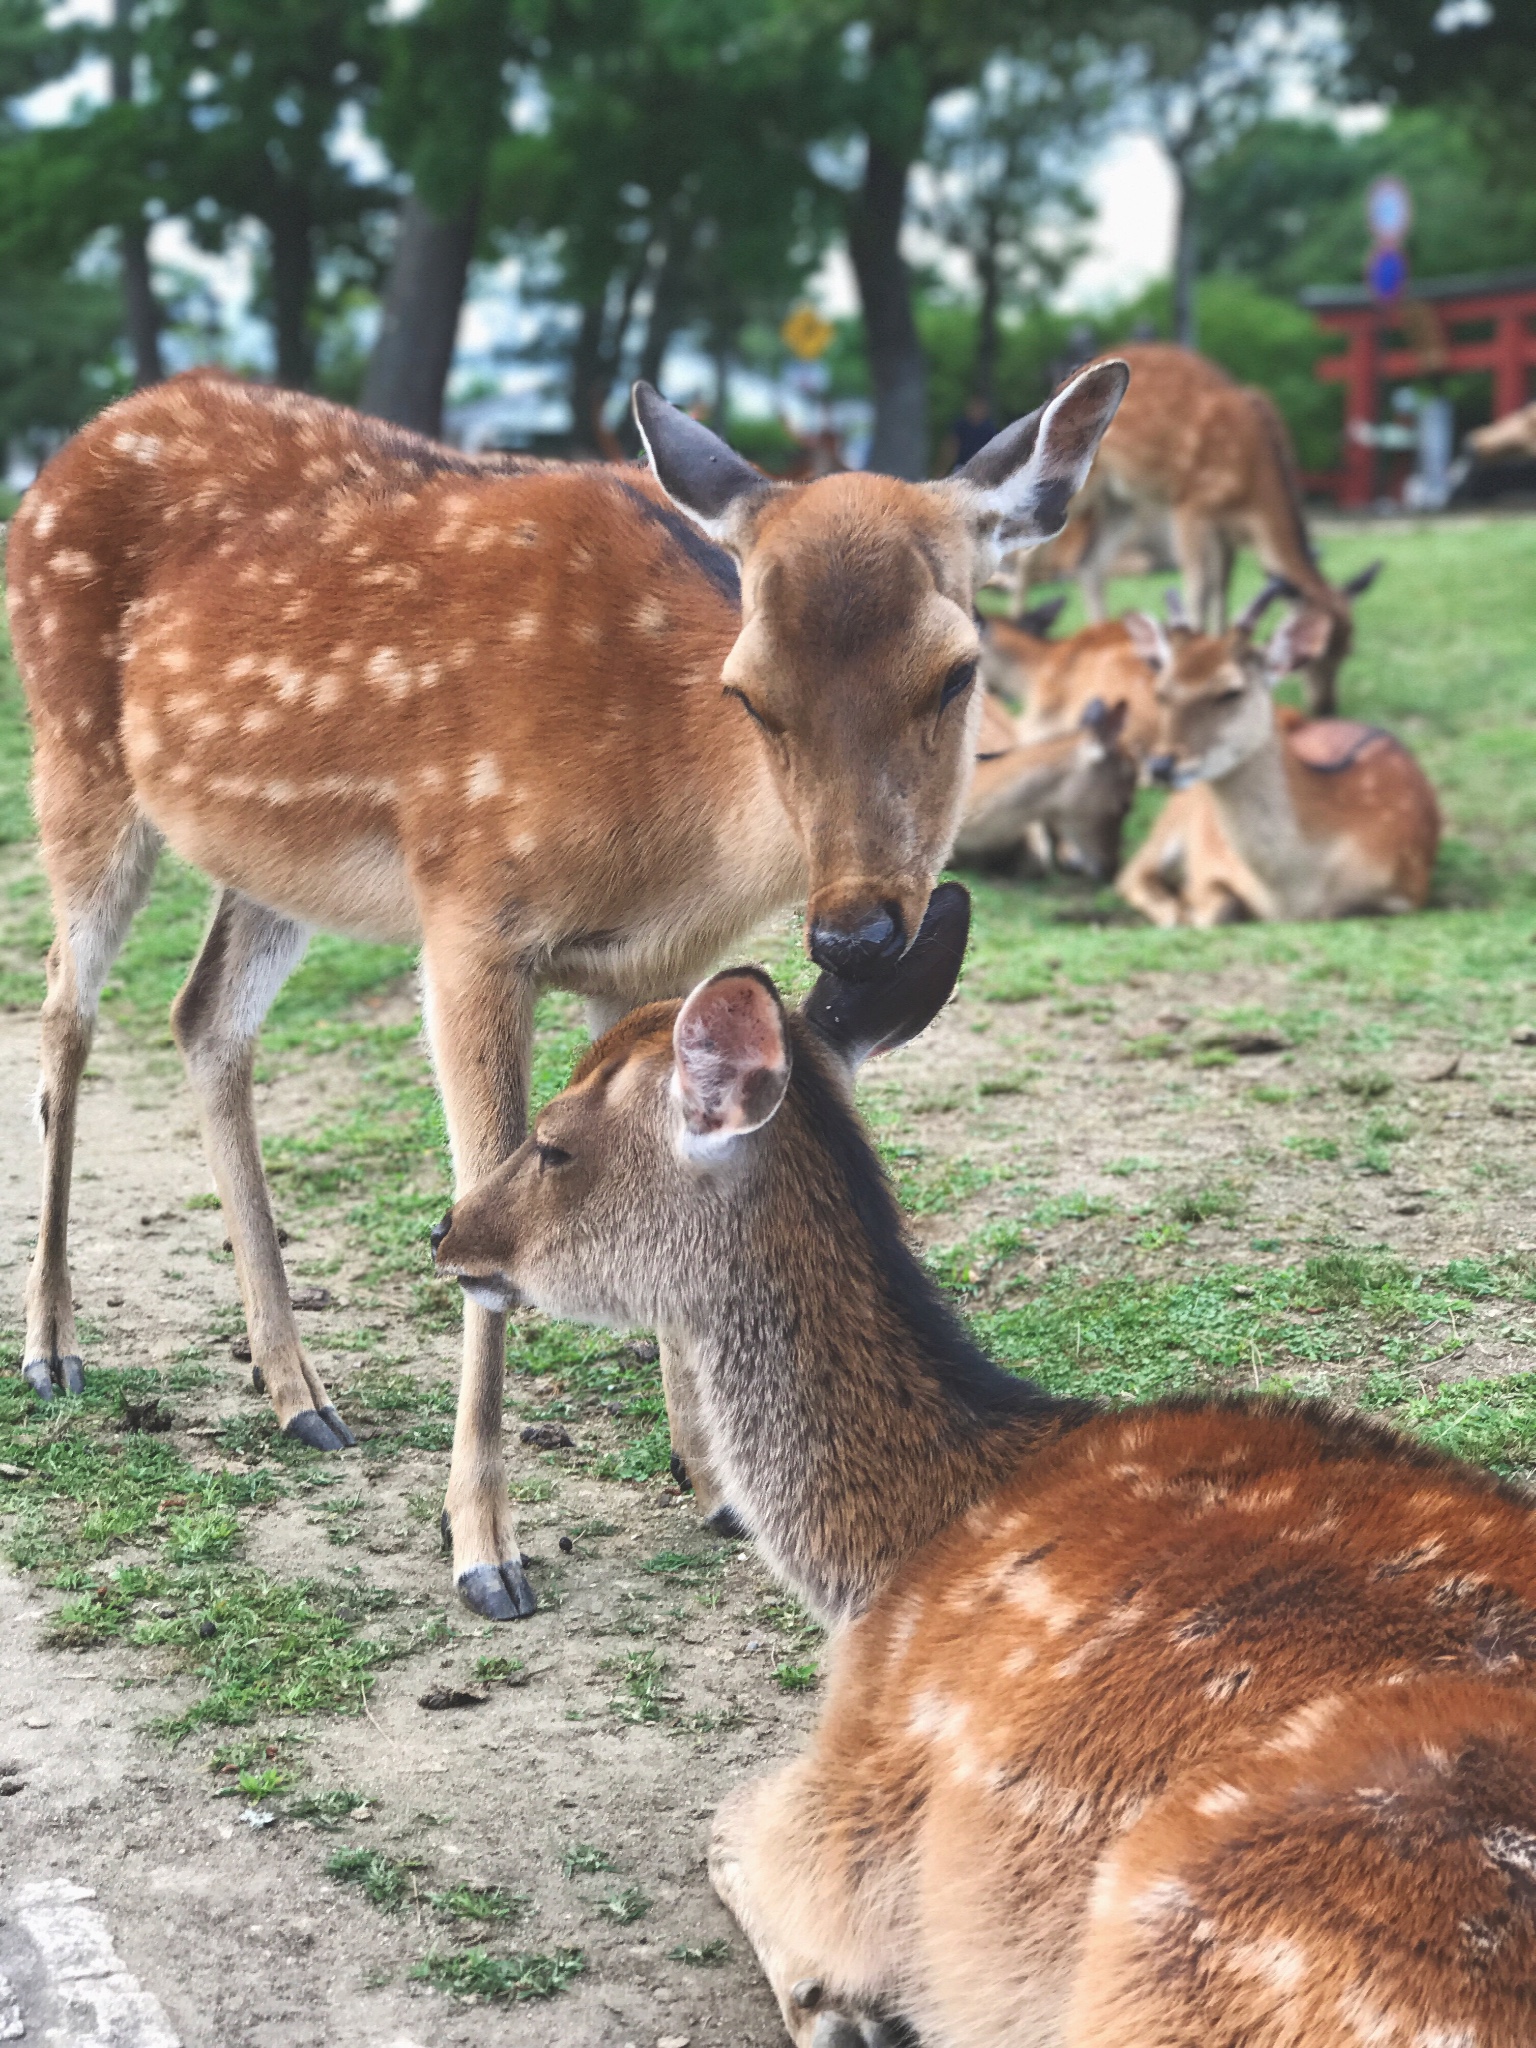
<point x="690" y="1136"/>
<point x="858" y="652"/>
<point x="1213" y="689"/>
<point x="1086" y="817"/>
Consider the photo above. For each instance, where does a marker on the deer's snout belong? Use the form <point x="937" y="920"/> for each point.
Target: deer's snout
<point x="440" y="1231"/>
<point x="1161" y="769"/>
<point x="857" y="947"/>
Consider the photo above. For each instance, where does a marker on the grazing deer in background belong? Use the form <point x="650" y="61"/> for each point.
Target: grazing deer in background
<point x="1291" y="819"/>
<point x="1216" y="460"/>
<point x="573" y="727"/>
<point x="1203" y="1725"/>
<point x="1073" y="790"/>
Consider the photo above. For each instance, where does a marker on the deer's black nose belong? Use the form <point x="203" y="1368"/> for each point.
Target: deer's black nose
<point x="440" y="1231"/>
<point x="1161" y="767"/>
<point x="859" y="953"/>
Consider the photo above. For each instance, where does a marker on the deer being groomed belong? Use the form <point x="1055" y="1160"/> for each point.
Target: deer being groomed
<point x="1276" y="817"/>
<point x="1215" y="460"/>
<point x="1073" y="790"/>
<point x="1203" y="1725"/>
<point x="572" y="727"/>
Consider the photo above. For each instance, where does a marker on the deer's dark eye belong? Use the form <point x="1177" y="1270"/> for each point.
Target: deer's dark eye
<point x="550" y="1155"/>
<point x="959" y="679"/>
<point x="756" y="716"/>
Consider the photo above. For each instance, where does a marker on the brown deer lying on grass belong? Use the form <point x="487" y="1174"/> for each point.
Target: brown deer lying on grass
<point x="1217" y="458"/>
<point x="1276" y="818"/>
<point x="1054" y="681"/>
<point x="542" y="721"/>
<point x="1204" y="1725"/>
<point x="1073" y="790"/>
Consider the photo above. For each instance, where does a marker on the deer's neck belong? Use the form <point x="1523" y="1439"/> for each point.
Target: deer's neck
<point x="850" y="1417"/>
<point x="1257" y="808"/>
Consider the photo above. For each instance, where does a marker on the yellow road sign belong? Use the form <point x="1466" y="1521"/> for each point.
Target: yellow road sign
<point x="806" y="334"/>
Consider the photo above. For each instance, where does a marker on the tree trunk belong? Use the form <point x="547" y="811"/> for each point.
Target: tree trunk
<point x="586" y="357"/>
<point x="666" y="297"/>
<point x="408" y="370"/>
<point x="141" y="311"/>
<point x="896" y="366"/>
<point x="293" y="278"/>
<point x="984" y="368"/>
<point x="1186" y="263"/>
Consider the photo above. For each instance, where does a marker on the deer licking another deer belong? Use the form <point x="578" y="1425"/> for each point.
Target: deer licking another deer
<point x="1274" y="817"/>
<point x="571" y="727"/>
<point x="1074" y="790"/>
<point x="1208" y="1724"/>
<point x="1215" y="459"/>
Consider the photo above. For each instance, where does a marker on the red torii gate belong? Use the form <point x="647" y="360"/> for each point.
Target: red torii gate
<point x="1417" y="336"/>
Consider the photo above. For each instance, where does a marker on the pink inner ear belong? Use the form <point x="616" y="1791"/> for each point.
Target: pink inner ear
<point x="732" y="1063"/>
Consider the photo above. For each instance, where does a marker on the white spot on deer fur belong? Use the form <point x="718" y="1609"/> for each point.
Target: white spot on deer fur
<point x="48" y="624"/>
<point x="1448" y="2037"/>
<point x="432" y="776"/>
<point x="83" y="719"/>
<point x="483" y="780"/>
<point x="652" y="616"/>
<point x="288" y="681"/>
<point x="1303" y="1727"/>
<point x="524" y="534"/>
<point x="242" y="667"/>
<point x="45" y="517"/>
<point x="1221" y="1799"/>
<point x="177" y="659"/>
<point x="1161" y="1900"/>
<point x="72" y="562"/>
<point x="1033" y="1592"/>
<point x="527" y="627"/>
<point x="589" y="632"/>
<point x="1368" y="2023"/>
<point x="385" y="669"/>
<point x="140" y="447"/>
<point x="328" y="692"/>
<point x="483" y="537"/>
<point x="1280" y="1963"/>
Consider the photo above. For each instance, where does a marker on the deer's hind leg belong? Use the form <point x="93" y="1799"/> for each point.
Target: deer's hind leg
<point x="247" y="956"/>
<point x="99" y="881"/>
<point x="774" y="1861"/>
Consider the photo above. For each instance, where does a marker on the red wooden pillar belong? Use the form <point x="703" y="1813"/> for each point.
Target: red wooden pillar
<point x="1359" y="408"/>
<point x="1509" y="392"/>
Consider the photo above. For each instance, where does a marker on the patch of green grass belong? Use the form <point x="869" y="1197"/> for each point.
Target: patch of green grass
<point x="476" y="1974"/>
<point x="500" y="1671"/>
<point x="796" y="1677"/>
<point x="1369" y="1086"/>
<point x="627" y="1906"/>
<point x="709" y="1955"/>
<point x="478" y="1902"/>
<point x="1313" y="1148"/>
<point x="385" y="1882"/>
<point x="639" y="1696"/>
<point x="1200" y="1205"/>
<point x="585" y="1857"/>
<point x="330" y="1808"/>
<point x="691" y="1567"/>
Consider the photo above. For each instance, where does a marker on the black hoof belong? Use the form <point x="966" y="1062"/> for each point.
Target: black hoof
<point x="310" y="1427"/>
<point x="71" y="1375"/>
<point x="727" y="1523"/>
<point x="499" y="1592"/>
<point x="258" y="1380"/>
<point x="37" y="1376"/>
<point x="680" y="1477"/>
<point x="339" y="1428"/>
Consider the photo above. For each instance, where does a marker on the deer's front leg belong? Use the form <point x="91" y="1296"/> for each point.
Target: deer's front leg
<point x="479" y="1015"/>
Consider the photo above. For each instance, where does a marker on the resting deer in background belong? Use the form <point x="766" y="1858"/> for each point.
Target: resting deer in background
<point x="1216" y="460"/>
<point x="1206" y="1725"/>
<point x="1278" y="818"/>
<point x="1073" y="791"/>
<point x="1054" y="681"/>
<point x="573" y="728"/>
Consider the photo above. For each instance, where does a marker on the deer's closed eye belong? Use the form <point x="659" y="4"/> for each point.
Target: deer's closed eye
<point x="550" y="1155"/>
<point x="959" y="679"/>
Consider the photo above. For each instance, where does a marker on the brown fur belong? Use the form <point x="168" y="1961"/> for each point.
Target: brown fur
<point x="1206" y="1725"/>
<point x="1054" y="681"/>
<point x="1514" y="434"/>
<point x="530" y="715"/>
<point x="1288" y="818"/>
<point x="1074" y="790"/>
<point x="1216" y="460"/>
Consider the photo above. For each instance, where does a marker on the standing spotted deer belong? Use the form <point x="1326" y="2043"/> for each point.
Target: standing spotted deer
<point x="574" y="727"/>
<point x="1214" y="460"/>
<point x="1202" y="1725"/>
<point x="1272" y="816"/>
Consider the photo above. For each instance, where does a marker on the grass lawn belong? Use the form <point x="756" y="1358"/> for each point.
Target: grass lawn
<point x="1230" y="1253"/>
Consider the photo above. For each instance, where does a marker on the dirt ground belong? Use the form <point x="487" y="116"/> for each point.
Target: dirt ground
<point x="234" y="1929"/>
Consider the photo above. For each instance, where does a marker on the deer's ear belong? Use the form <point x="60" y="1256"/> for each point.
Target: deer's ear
<point x="730" y="1057"/>
<point x="1017" y="489"/>
<point x="1298" y="639"/>
<point x="1149" y="637"/>
<point x="861" y="1018"/>
<point x="1358" y="585"/>
<point x="710" y="482"/>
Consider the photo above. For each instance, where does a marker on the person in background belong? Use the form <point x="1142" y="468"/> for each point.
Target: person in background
<point x="968" y="434"/>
